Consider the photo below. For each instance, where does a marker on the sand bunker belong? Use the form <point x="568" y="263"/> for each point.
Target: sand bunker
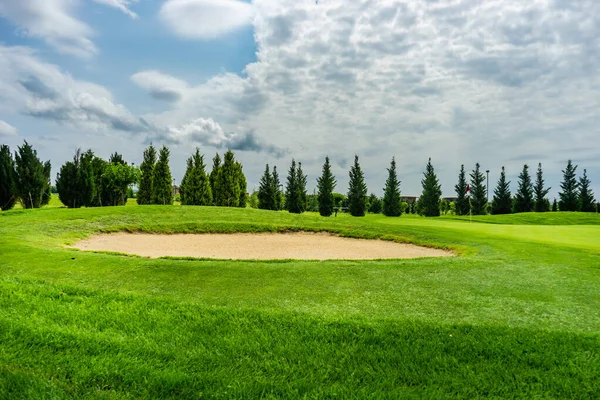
<point x="263" y="246"/>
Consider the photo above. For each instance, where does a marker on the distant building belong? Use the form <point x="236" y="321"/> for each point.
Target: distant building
<point x="175" y="190"/>
<point x="410" y="199"/>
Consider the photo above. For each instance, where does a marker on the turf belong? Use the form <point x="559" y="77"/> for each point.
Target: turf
<point x="514" y="315"/>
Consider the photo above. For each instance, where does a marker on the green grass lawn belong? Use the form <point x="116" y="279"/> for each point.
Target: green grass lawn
<point x="515" y="315"/>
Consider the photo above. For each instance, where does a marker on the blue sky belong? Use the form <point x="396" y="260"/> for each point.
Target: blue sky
<point x="499" y="82"/>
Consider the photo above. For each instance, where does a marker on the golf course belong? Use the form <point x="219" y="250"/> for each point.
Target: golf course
<point x="514" y="312"/>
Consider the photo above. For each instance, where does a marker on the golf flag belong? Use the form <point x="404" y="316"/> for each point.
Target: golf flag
<point x="468" y="191"/>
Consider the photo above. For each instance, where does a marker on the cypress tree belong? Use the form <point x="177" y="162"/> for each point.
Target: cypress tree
<point x="33" y="178"/>
<point x="241" y="179"/>
<point x="461" y="203"/>
<point x="213" y="177"/>
<point x="391" y="193"/>
<point x="325" y="185"/>
<point x="357" y="191"/>
<point x="569" y="197"/>
<point x="276" y="191"/>
<point x="555" y="205"/>
<point x="375" y="204"/>
<point x="146" y="189"/>
<point x="502" y="203"/>
<point x="75" y="181"/>
<point x="429" y="202"/>
<point x="292" y="193"/>
<point x="541" y="202"/>
<point x="524" y="195"/>
<point x="195" y="186"/>
<point x="227" y="182"/>
<point x="302" y="192"/>
<point x="478" y="192"/>
<point x="162" y="181"/>
<point x="266" y="195"/>
<point x="186" y="189"/>
<point x="8" y="179"/>
<point x="587" y="203"/>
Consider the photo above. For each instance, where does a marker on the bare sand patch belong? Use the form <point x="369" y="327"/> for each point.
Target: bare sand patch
<point x="256" y="246"/>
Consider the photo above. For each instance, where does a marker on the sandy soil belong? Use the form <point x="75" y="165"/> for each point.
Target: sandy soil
<point x="263" y="246"/>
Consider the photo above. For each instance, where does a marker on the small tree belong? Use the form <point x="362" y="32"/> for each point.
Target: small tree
<point x="478" y="192"/>
<point x="8" y="179"/>
<point x="429" y="202"/>
<point x="541" y="202"/>
<point x="462" y="202"/>
<point x="293" y="200"/>
<point x="162" y="181"/>
<point x="253" y="199"/>
<point x="146" y="188"/>
<point x="195" y="186"/>
<point x="266" y="197"/>
<point x="276" y="191"/>
<point x="325" y="185"/>
<point x="502" y="203"/>
<point x="555" y="205"/>
<point x="569" y="196"/>
<point x="75" y="181"/>
<point x="213" y="178"/>
<point x="302" y="192"/>
<point x="118" y="178"/>
<point x="33" y="178"/>
<point x="357" y="191"/>
<point x="376" y="204"/>
<point x="242" y="184"/>
<point x="524" y="195"/>
<point x="391" y="193"/>
<point x="228" y="182"/>
<point x="587" y="203"/>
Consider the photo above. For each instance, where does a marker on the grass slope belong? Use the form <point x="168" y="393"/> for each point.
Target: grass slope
<point x="514" y="316"/>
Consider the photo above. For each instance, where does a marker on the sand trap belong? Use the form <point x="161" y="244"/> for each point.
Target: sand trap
<point x="263" y="246"/>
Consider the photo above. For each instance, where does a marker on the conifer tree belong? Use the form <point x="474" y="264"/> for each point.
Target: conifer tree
<point x="555" y="205"/>
<point x="462" y="202"/>
<point x="357" y="191"/>
<point x="195" y="186"/>
<point x="8" y="179"/>
<point x="33" y="178"/>
<point x="375" y="204"/>
<point x="162" y="181"/>
<point x="266" y="197"/>
<point x="541" y="202"/>
<point x="98" y="166"/>
<point x="185" y="188"/>
<point x="276" y="191"/>
<point x="391" y="193"/>
<point x="146" y="189"/>
<point x="524" y="195"/>
<point x="325" y="185"/>
<point x="502" y="203"/>
<point x="292" y="191"/>
<point x="75" y="181"/>
<point x="227" y="182"/>
<point x="302" y="192"/>
<point x="214" y="174"/>
<point x="587" y="203"/>
<point x="429" y="202"/>
<point x="569" y="196"/>
<point x="242" y="184"/>
<point x="478" y="192"/>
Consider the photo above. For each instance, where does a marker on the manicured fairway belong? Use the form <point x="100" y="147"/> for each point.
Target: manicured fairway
<point x="516" y="314"/>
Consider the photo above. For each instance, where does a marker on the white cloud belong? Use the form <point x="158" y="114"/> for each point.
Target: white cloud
<point x="161" y="86"/>
<point x="122" y="5"/>
<point x="51" y="21"/>
<point x="205" y="19"/>
<point x="7" y="129"/>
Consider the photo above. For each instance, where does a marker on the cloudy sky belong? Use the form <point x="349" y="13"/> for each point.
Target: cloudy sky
<point x="499" y="82"/>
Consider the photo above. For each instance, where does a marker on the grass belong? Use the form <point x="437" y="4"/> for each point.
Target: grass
<point x="515" y="315"/>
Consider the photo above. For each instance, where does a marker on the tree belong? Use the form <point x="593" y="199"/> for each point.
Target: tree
<point x="391" y="193"/>
<point x="98" y="165"/>
<point x="8" y="179"/>
<point x="462" y="202"/>
<point x="569" y="196"/>
<point x="429" y="202"/>
<point x="214" y="174"/>
<point x="478" y="192"/>
<point x="541" y="202"/>
<point x="227" y="182"/>
<point x="502" y="202"/>
<point x="33" y="178"/>
<point x="195" y="185"/>
<point x="266" y="195"/>
<point x="117" y="178"/>
<point x="294" y="202"/>
<point x="302" y="192"/>
<point x="357" y="191"/>
<point x="146" y="188"/>
<point x="242" y="184"/>
<point x="162" y="181"/>
<point x="375" y="204"/>
<point x="253" y="199"/>
<point x="587" y="203"/>
<point x="75" y="181"/>
<point x="325" y="185"/>
<point x="524" y="196"/>
<point x="555" y="205"/>
<point x="276" y="191"/>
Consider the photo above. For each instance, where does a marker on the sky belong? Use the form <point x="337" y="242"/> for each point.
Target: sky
<point x="495" y="82"/>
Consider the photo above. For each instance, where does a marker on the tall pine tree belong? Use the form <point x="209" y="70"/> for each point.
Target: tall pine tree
<point x="587" y="203"/>
<point x="227" y="182"/>
<point x="569" y="196"/>
<point x="502" y="203"/>
<point x="524" y="194"/>
<point x="162" y="181"/>
<point x="429" y="202"/>
<point x="8" y="179"/>
<point x="276" y="191"/>
<point x="213" y="177"/>
<point x="541" y="202"/>
<point x="461" y="202"/>
<point x="33" y="178"/>
<point x="146" y="188"/>
<point x="478" y="192"/>
<point x="357" y="191"/>
<point x="195" y="186"/>
<point x="292" y="192"/>
<point x="554" y="205"/>
<point x="391" y="193"/>
<point x="242" y="184"/>
<point x="325" y="185"/>
<point x="302" y="192"/>
<point x="266" y="195"/>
